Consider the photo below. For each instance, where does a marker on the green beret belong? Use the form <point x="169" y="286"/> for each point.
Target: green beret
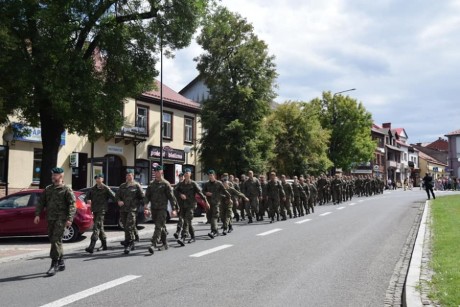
<point x="158" y="168"/>
<point x="130" y="171"/>
<point x="211" y="172"/>
<point x="187" y="170"/>
<point x="57" y="170"/>
<point x="99" y="176"/>
<point x="181" y="174"/>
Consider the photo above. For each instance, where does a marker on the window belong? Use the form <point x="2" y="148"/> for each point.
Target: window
<point x="38" y="152"/>
<point x="142" y="116"/>
<point x="167" y="125"/>
<point x="188" y="130"/>
<point x="17" y="201"/>
<point x="141" y="173"/>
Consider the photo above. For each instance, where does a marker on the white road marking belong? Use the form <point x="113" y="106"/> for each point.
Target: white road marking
<point x="303" y="221"/>
<point x="91" y="291"/>
<point x="210" y="251"/>
<point x="340" y="208"/>
<point x="325" y="213"/>
<point x="270" y="232"/>
<point x="352" y="204"/>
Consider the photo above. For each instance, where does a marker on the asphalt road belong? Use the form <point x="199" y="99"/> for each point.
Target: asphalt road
<point x="341" y="255"/>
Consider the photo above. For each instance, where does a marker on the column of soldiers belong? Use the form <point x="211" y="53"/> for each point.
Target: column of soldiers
<point x="253" y="197"/>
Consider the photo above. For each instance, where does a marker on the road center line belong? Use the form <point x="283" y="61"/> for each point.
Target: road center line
<point x="325" y="213"/>
<point x="340" y="208"/>
<point x="91" y="291"/>
<point x="210" y="251"/>
<point x="270" y="232"/>
<point x="303" y="221"/>
<point x="352" y="204"/>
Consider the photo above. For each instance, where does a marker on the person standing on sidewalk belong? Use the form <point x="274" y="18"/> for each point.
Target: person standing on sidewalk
<point x="158" y="193"/>
<point x="59" y="201"/>
<point x="428" y="182"/>
<point x="128" y="197"/>
<point x="98" y="197"/>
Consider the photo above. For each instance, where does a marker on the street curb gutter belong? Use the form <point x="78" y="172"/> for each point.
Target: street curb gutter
<point x="412" y="293"/>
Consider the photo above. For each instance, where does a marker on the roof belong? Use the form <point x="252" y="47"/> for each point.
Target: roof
<point x="440" y="144"/>
<point x="400" y="132"/>
<point x="402" y="143"/>
<point x="190" y="84"/>
<point x="455" y="132"/>
<point x="377" y="129"/>
<point x="393" y="147"/>
<point x="171" y="96"/>
<point x="430" y="159"/>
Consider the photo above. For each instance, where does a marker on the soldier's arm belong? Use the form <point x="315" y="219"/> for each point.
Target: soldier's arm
<point x="70" y="198"/>
<point x="147" y="195"/>
<point x="118" y="196"/>
<point x="199" y="191"/>
<point x="110" y="194"/>
<point x="171" y="197"/>
<point x="139" y="192"/>
<point x="224" y="191"/>
<point x="259" y="187"/>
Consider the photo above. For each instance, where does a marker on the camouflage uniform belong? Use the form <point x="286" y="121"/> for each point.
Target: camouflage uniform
<point x="189" y="189"/>
<point x="158" y="193"/>
<point x="297" y="204"/>
<point x="252" y="190"/>
<point x="304" y="196"/>
<point x="312" y="198"/>
<point x="274" y="193"/>
<point x="336" y="187"/>
<point x="286" y="204"/>
<point x="217" y="189"/>
<point x="263" y="206"/>
<point x="130" y="194"/>
<point x="226" y="209"/>
<point x="59" y="201"/>
<point x="99" y="196"/>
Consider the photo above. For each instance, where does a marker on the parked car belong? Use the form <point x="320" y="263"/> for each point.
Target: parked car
<point x="112" y="216"/>
<point x="17" y="212"/>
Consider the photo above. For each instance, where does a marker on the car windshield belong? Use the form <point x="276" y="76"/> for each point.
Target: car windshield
<point x="16" y="201"/>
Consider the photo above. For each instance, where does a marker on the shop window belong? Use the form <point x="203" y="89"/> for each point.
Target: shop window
<point x="142" y="171"/>
<point x="38" y="153"/>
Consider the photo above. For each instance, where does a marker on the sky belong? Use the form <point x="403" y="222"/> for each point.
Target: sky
<point x="403" y="57"/>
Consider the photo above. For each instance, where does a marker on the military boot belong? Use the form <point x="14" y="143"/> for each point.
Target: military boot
<point x="129" y="247"/>
<point x="164" y="241"/>
<point x="104" y="244"/>
<point x="53" y="268"/>
<point x="224" y="232"/>
<point x="176" y="235"/>
<point x="290" y="215"/>
<point x="277" y="216"/>
<point x="272" y="220"/>
<point x="237" y="217"/>
<point x="90" y="248"/>
<point x="230" y="228"/>
<point x="181" y="241"/>
<point x="250" y="219"/>
<point x="61" y="264"/>
<point x="136" y="237"/>
<point x="192" y="237"/>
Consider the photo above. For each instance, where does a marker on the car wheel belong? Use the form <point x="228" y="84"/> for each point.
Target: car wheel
<point x="70" y="233"/>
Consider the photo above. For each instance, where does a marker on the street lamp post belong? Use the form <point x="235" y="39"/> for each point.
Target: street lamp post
<point x="8" y="136"/>
<point x="349" y="90"/>
<point x="161" y="101"/>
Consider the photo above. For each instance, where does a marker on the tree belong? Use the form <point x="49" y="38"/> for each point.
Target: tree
<point x="240" y="76"/>
<point x="70" y="64"/>
<point x="350" y="125"/>
<point x="301" y="143"/>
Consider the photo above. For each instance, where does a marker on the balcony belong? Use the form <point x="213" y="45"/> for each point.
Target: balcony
<point x="393" y="164"/>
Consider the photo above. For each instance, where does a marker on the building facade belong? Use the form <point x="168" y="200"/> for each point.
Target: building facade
<point x="136" y="146"/>
<point x="453" y="139"/>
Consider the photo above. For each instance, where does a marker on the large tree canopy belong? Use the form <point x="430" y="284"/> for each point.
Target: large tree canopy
<point x="301" y="143"/>
<point x="240" y="75"/>
<point x="350" y="125"/>
<point x="69" y="64"/>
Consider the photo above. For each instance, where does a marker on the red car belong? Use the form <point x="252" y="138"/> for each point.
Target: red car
<point x="17" y="212"/>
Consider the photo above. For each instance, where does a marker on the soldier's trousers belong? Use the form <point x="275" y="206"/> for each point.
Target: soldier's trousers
<point x="263" y="206"/>
<point x="310" y="206"/>
<point x="297" y="204"/>
<point x="285" y="207"/>
<point x="55" y="232"/>
<point x="128" y="219"/>
<point x="186" y="214"/>
<point x="159" y="219"/>
<point x="214" y="216"/>
<point x="98" y="226"/>
<point x="234" y="207"/>
<point x="252" y="206"/>
<point x="226" y="216"/>
<point x="303" y="206"/>
<point x="273" y="207"/>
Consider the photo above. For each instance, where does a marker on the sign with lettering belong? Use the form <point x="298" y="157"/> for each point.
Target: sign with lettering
<point x="31" y="134"/>
<point x="169" y="153"/>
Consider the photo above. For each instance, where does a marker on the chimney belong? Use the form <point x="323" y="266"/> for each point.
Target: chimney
<point x="386" y="125"/>
<point x="419" y="144"/>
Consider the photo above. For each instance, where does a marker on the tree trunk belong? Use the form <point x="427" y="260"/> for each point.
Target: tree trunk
<point x="51" y="131"/>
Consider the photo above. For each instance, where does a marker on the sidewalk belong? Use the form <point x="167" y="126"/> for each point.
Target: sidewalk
<point x="13" y="249"/>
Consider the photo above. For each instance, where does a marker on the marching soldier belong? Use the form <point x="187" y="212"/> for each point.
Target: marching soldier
<point x="157" y="194"/>
<point x="304" y="196"/>
<point x="185" y="191"/>
<point x="227" y="205"/>
<point x="275" y="193"/>
<point x="214" y="191"/>
<point x="253" y="191"/>
<point x="98" y="197"/>
<point x="59" y="201"/>
<point x="311" y="202"/>
<point x="128" y="197"/>
<point x="297" y="204"/>
<point x="286" y="204"/>
<point x="263" y="207"/>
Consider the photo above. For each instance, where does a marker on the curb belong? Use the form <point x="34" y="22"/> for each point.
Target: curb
<point x="412" y="293"/>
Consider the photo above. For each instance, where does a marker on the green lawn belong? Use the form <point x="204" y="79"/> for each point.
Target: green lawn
<point x="446" y="250"/>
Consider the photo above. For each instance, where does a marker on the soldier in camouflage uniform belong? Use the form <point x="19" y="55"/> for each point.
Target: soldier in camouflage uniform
<point x="98" y="198"/>
<point x="226" y="206"/>
<point x="311" y="202"/>
<point x="157" y="194"/>
<point x="263" y="207"/>
<point x="286" y="204"/>
<point x="336" y="188"/>
<point x="297" y="204"/>
<point x="214" y="191"/>
<point x="242" y="203"/>
<point x="275" y="193"/>
<point x="180" y="202"/>
<point x="253" y="191"/>
<point x="304" y="196"/>
<point x="128" y="197"/>
<point x="321" y="184"/>
<point x="59" y="201"/>
<point x="235" y="199"/>
<point x="186" y="191"/>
